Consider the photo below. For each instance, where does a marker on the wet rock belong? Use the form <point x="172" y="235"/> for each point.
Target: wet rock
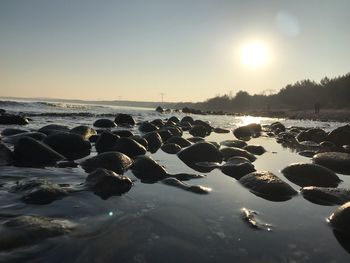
<point x="326" y="195"/>
<point x="148" y="170"/>
<point x="105" y="183"/>
<point x="104" y="123"/>
<point x="174" y="130"/>
<point x="147" y="127"/>
<point x="140" y="140"/>
<point x="248" y="131"/>
<point x="159" y="109"/>
<point x="339" y="220"/>
<point x="309" y="145"/>
<point x="13" y="139"/>
<point x="196" y="139"/>
<point x="124" y="119"/>
<point x="53" y="128"/>
<point x="9" y="119"/>
<point x="154" y="141"/>
<point x="228" y="152"/>
<point x="307" y="153"/>
<point x="217" y="145"/>
<point x="114" y="161"/>
<point x="12" y="131"/>
<point x="30" y="152"/>
<point x="187" y="119"/>
<point x="277" y="127"/>
<point x="84" y="131"/>
<point x="106" y="142"/>
<point x="255" y="149"/>
<point x="123" y="133"/>
<point x="221" y="130"/>
<point x="197" y="189"/>
<point x="308" y="174"/>
<point x="234" y="143"/>
<point x="336" y="161"/>
<point x="174" y="119"/>
<point x="267" y="185"/>
<point x="165" y="134"/>
<point x="198" y="130"/>
<point x="316" y="135"/>
<point x="182" y="142"/>
<point x="237" y="167"/>
<point x="340" y="136"/>
<point x="250" y="216"/>
<point x="70" y="145"/>
<point x="31" y="229"/>
<point x="157" y="122"/>
<point x="6" y="155"/>
<point x="67" y="164"/>
<point x="171" y="148"/>
<point x="129" y="147"/>
<point x="200" y="152"/>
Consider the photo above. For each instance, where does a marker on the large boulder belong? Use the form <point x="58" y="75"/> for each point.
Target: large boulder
<point x="124" y="119"/>
<point x="182" y="142"/>
<point x="129" y="147"/>
<point x="267" y="185"/>
<point x="30" y="152"/>
<point x="12" y="131"/>
<point x="237" y="167"/>
<point x="171" y="148"/>
<point x="6" y="155"/>
<point x="199" y="130"/>
<point x="148" y="170"/>
<point x="340" y="218"/>
<point x="340" y="136"/>
<point x="106" y="142"/>
<point x="228" y="152"/>
<point x="53" y="128"/>
<point x="248" y="131"/>
<point x="13" y="139"/>
<point x="70" y="145"/>
<point x="114" y="161"/>
<point x="326" y="195"/>
<point x="9" y="119"/>
<point x="104" y="123"/>
<point x="255" y="149"/>
<point x="308" y="174"/>
<point x="316" y="135"/>
<point x="147" y="127"/>
<point x="336" y="161"/>
<point x="85" y="131"/>
<point x="154" y="141"/>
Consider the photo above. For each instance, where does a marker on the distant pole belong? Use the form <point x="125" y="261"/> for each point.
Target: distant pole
<point x="162" y="96"/>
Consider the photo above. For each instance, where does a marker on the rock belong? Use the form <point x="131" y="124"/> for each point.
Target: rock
<point x="198" y="130"/>
<point x="154" y="141"/>
<point x="336" y="161"/>
<point x="123" y="133"/>
<point x="174" y="119"/>
<point x="124" y="119"/>
<point x="340" y="136"/>
<point x="105" y="183"/>
<point x="31" y="229"/>
<point x="316" y="135"/>
<point x="171" y="148"/>
<point x="84" y="131"/>
<point x="221" y="130"/>
<point x="308" y="174"/>
<point x="9" y="119"/>
<point x="187" y="119"/>
<point x="339" y="220"/>
<point x="228" y="152"/>
<point x="140" y="140"/>
<point x="129" y="147"/>
<point x="200" y="152"/>
<point x="106" y="142"/>
<point x="197" y="189"/>
<point x="53" y="128"/>
<point x="182" y="142"/>
<point x="174" y="130"/>
<point x="237" y="167"/>
<point x="67" y="164"/>
<point x="196" y="139"/>
<point x="13" y="139"/>
<point x="326" y="195"/>
<point x="104" y="123"/>
<point x="255" y="149"/>
<point x="249" y="216"/>
<point x="267" y="185"/>
<point x="307" y="153"/>
<point x="147" y="127"/>
<point x="12" y="131"/>
<point x="277" y="126"/>
<point x="248" y="131"/>
<point x="160" y="109"/>
<point x="164" y="134"/>
<point x="157" y="122"/>
<point x="6" y="155"/>
<point x="148" y="170"/>
<point x="30" y="152"/>
<point x="114" y="161"/>
<point x="70" y="145"/>
<point x="234" y="143"/>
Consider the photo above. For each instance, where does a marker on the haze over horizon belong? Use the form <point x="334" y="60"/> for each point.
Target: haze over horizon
<point x="189" y="50"/>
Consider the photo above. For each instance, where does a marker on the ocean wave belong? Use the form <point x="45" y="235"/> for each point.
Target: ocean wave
<point x="68" y="114"/>
<point x="10" y="103"/>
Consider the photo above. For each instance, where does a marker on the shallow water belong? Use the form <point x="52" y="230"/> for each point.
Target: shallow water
<point x="159" y="223"/>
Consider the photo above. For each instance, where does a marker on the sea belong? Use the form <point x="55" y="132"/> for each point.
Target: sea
<point x="160" y="223"/>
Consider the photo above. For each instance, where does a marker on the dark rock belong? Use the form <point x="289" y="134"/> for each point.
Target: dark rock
<point x="316" y="135"/>
<point x="124" y="119"/>
<point x="228" y="152"/>
<point x="255" y="149"/>
<point x="154" y="141"/>
<point x="221" y="130"/>
<point x="185" y="126"/>
<point x="13" y="139"/>
<point x="308" y="174"/>
<point x="196" y="139"/>
<point x="336" y="161"/>
<point x="6" y="155"/>
<point x="104" y="123"/>
<point x="94" y="138"/>
<point x="158" y="122"/>
<point x="67" y="164"/>
<point x="12" y="131"/>
<point x="307" y="153"/>
<point x="160" y="109"/>
<point x="267" y="185"/>
<point x="114" y="161"/>
<point x="171" y="148"/>
<point x="339" y="220"/>
<point x="106" y="142"/>
<point x="250" y="216"/>
<point x="277" y="126"/>
<point x="248" y="131"/>
<point x="9" y="119"/>
<point x="187" y="119"/>
<point x="198" y="130"/>
<point x="174" y="119"/>
<point x="147" y="127"/>
<point x="129" y="147"/>
<point x="182" y="142"/>
<point x="140" y="140"/>
<point x="234" y="143"/>
<point x="70" y="145"/>
<point x="237" y="167"/>
<point x="30" y="152"/>
<point x="165" y="134"/>
<point x="53" y="128"/>
<point x="326" y="195"/>
<point x="84" y="131"/>
<point x="148" y="170"/>
<point x="123" y="133"/>
<point x="340" y="136"/>
<point x="197" y="189"/>
<point x="105" y="183"/>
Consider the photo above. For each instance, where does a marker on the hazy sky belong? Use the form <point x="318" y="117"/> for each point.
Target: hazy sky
<point x="190" y="50"/>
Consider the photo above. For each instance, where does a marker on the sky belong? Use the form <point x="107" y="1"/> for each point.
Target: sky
<point x="187" y="50"/>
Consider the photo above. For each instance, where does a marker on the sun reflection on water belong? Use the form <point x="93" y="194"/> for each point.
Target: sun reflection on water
<point x="245" y="120"/>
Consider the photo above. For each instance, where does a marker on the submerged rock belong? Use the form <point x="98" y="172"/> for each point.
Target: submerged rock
<point x="114" y="161"/>
<point x="326" y="195"/>
<point x="339" y="220"/>
<point x="198" y="189"/>
<point x="336" y="161"/>
<point x="105" y="183"/>
<point x="308" y="174"/>
<point x="267" y="185"/>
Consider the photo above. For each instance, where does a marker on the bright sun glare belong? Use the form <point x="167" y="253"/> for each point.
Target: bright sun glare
<point x="254" y="55"/>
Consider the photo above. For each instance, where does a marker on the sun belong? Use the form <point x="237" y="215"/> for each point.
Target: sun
<point x="254" y="55"/>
